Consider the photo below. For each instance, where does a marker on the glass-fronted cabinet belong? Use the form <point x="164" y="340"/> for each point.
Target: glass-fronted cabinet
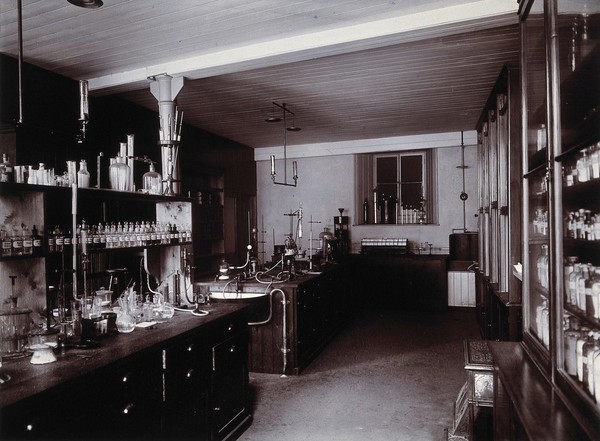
<point x="536" y="187"/>
<point x="561" y="91"/>
<point x="577" y="114"/>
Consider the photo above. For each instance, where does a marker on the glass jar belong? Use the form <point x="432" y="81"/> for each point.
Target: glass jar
<point x="125" y="321"/>
<point x="83" y="175"/>
<point x="119" y="175"/>
<point x="152" y="181"/>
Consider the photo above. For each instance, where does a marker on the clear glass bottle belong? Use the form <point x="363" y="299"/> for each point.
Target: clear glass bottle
<point x="595" y="294"/>
<point x="83" y="175"/>
<point x="125" y="321"/>
<point x="587" y="349"/>
<point x="595" y="161"/>
<point x="152" y="181"/>
<point x="571" y="334"/>
<point x="570" y="262"/>
<point x="583" y="168"/>
<point x="546" y="325"/>
<point x="119" y="175"/>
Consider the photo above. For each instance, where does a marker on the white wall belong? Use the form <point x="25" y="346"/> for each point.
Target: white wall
<point x="326" y="183"/>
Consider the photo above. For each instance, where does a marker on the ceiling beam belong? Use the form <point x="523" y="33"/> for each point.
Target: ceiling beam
<point x="439" y="22"/>
<point x="378" y="145"/>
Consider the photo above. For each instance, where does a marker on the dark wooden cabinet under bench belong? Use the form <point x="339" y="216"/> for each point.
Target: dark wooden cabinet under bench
<point x="186" y="378"/>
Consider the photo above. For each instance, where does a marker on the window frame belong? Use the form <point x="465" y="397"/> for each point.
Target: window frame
<point x="399" y="182"/>
<point x="366" y="179"/>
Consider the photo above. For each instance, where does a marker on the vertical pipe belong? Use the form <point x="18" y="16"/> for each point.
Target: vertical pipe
<point x="20" y="60"/>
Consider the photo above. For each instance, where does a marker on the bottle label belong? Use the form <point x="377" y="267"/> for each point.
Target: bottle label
<point x="37" y="243"/>
<point x="60" y="241"/>
<point x="18" y="243"/>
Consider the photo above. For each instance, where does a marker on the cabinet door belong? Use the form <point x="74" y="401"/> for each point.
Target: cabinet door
<point x="537" y="264"/>
<point x="133" y="406"/>
<point x="577" y="73"/>
<point x="187" y="371"/>
<point x="229" y="398"/>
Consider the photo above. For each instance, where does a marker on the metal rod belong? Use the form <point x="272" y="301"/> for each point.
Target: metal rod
<point x="20" y="60"/>
<point x="462" y="145"/>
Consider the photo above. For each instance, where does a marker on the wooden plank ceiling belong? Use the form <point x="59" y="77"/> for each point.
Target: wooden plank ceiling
<point x="350" y="70"/>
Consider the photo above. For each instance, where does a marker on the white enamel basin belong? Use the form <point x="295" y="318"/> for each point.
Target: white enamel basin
<point x="220" y="295"/>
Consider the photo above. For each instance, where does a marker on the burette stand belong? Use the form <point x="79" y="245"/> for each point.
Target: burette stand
<point x="310" y="241"/>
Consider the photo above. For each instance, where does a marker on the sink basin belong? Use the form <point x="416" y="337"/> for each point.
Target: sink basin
<point x="236" y="295"/>
<point x="258" y="301"/>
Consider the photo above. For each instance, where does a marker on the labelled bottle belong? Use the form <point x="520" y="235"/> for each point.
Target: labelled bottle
<point x="17" y="242"/>
<point x="37" y="242"/>
<point x="27" y="240"/>
<point x="6" y="243"/>
<point x="59" y="240"/>
<point x="51" y="243"/>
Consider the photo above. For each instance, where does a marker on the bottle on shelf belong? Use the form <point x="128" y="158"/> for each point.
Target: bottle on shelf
<point x="586" y="350"/>
<point x="571" y="334"/>
<point x="17" y="242"/>
<point x="83" y="175"/>
<point x="119" y="174"/>
<point x="27" y="240"/>
<point x="59" y="239"/>
<point x="152" y="181"/>
<point x="579" y="348"/>
<point x="6" y="243"/>
<point x="542" y="267"/>
<point x="6" y="169"/>
<point x="595" y="294"/>
<point x="36" y="241"/>
<point x="583" y="168"/>
<point x="51" y="243"/>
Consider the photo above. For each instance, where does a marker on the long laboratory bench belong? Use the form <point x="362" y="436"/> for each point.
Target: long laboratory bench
<point x="317" y="306"/>
<point x="185" y="378"/>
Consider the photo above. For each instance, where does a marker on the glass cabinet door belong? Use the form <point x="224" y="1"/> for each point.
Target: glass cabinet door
<point x="578" y="194"/>
<point x="537" y="306"/>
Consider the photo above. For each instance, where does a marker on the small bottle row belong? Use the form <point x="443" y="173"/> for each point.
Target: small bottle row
<point x="582" y="287"/>
<point x="131" y="234"/>
<point x="585" y="168"/>
<point x="582" y="356"/>
<point x="582" y="224"/>
<point x="19" y="240"/>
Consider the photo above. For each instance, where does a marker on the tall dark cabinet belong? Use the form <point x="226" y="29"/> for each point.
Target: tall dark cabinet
<point x="548" y="386"/>
<point x="498" y="285"/>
